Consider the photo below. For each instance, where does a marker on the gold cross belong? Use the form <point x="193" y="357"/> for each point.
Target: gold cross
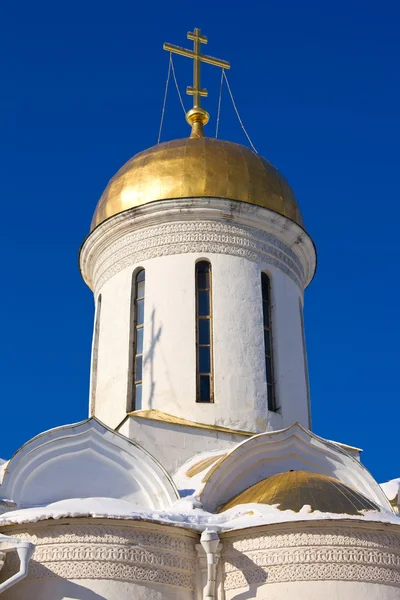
<point x="197" y="113"/>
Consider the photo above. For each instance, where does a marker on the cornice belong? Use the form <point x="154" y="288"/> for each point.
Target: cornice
<point x="142" y="553"/>
<point x="197" y="225"/>
<point x="312" y="551"/>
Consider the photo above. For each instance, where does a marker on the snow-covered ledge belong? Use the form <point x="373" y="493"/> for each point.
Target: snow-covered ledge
<point x="24" y="551"/>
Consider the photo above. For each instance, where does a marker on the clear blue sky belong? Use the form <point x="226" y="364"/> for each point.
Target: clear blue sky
<point x="317" y="85"/>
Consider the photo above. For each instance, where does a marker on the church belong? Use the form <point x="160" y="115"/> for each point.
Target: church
<point x="197" y="475"/>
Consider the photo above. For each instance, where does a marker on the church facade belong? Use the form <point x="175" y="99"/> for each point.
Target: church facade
<point x="197" y="474"/>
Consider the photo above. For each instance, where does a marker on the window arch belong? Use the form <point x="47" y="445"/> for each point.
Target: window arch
<point x="204" y="354"/>
<point x="138" y="333"/>
<point x="268" y="350"/>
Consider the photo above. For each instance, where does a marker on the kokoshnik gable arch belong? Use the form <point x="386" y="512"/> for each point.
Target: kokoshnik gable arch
<point x="294" y="449"/>
<point x="85" y="460"/>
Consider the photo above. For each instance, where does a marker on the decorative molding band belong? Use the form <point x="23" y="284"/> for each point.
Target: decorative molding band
<point x="115" y="553"/>
<point x="250" y="219"/>
<point x="92" y="534"/>
<point x="320" y="536"/>
<point x="106" y="569"/>
<point x="313" y="555"/>
<point x="337" y="554"/>
<point x="195" y="237"/>
<point x="314" y="572"/>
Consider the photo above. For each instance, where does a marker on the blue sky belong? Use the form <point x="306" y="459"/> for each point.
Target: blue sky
<point x="317" y="86"/>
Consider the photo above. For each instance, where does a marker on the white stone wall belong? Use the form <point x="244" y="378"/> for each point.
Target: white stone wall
<point x="179" y="443"/>
<point x="99" y="559"/>
<point x="310" y="561"/>
<point x="254" y="240"/>
<point x="106" y="559"/>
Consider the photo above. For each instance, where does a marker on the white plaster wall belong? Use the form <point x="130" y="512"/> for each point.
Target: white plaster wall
<point x="172" y="445"/>
<point x="93" y="559"/>
<point x="106" y="559"/>
<point x="169" y="375"/>
<point x="311" y="560"/>
<point x="316" y="590"/>
<point x="110" y="395"/>
<point x="289" y="359"/>
<point x="89" y="589"/>
<point x="240" y="240"/>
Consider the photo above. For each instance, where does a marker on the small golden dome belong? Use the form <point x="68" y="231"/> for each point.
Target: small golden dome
<point x="294" y="489"/>
<point x="197" y="167"/>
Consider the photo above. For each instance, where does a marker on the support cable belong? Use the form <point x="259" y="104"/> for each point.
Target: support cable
<point x="219" y="102"/>
<point x="176" y="85"/>
<point x="237" y="112"/>
<point x="165" y="99"/>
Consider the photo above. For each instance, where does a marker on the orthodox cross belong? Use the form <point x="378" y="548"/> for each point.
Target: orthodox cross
<point x="197" y="113"/>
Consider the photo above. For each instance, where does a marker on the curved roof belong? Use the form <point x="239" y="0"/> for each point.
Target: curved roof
<point x="294" y="489"/>
<point x="197" y="167"/>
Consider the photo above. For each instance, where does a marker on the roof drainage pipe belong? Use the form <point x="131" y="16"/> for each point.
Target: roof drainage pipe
<point x="210" y="542"/>
<point x="24" y="551"/>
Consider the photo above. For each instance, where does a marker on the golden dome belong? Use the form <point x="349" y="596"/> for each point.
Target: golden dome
<point x="294" y="489"/>
<point x="197" y="167"/>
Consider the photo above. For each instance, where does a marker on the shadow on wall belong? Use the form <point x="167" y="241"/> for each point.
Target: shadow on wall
<point x="254" y="575"/>
<point x="49" y="586"/>
<point x="54" y="587"/>
<point x="149" y="358"/>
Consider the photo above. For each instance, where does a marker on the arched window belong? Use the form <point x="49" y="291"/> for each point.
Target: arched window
<point x="204" y="358"/>
<point x="269" y="364"/>
<point x="139" y="289"/>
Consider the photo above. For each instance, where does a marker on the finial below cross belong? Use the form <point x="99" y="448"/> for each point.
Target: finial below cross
<point x="197" y="115"/>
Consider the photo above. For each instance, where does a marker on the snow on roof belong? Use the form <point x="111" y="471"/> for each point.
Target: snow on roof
<point x="3" y="466"/>
<point x="184" y="513"/>
<point x="191" y="485"/>
<point x="391" y="488"/>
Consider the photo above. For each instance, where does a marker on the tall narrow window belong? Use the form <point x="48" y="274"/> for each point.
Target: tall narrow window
<point x="204" y="333"/>
<point x="269" y="366"/>
<point x="138" y="341"/>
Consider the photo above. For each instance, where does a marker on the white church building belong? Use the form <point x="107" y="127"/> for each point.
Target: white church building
<point x="197" y="474"/>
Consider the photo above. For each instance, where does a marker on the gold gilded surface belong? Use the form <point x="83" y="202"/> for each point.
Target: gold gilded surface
<point x="197" y="114"/>
<point x="202" y="465"/>
<point x="293" y="489"/>
<point x="197" y="167"/>
<point x="158" y="415"/>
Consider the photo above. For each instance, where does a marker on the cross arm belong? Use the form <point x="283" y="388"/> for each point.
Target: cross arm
<point x="215" y="61"/>
<point x="179" y="50"/>
<point x="203" y="57"/>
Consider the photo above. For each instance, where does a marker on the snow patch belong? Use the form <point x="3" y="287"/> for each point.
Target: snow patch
<point x="190" y="487"/>
<point x="184" y="513"/>
<point x="391" y="488"/>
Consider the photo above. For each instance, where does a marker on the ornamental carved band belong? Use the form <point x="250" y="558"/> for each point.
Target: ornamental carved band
<point x="147" y="555"/>
<point x="112" y="553"/>
<point x="196" y="237"/>
<point x="340" y="554"/>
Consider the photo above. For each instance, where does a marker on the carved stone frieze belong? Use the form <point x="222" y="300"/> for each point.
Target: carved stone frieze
<point x="125" y="553"/>
<point x="95" y="533"/>
<point x="314" y="572"/>
<point x="196" y="237"/>
<point x="347" y="554"/>
<point x="200" y="225"/>
<point x="150" y="553"/>
<point x="314" y="537"/>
